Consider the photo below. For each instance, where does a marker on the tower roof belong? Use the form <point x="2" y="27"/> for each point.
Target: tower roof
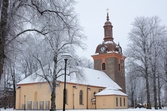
<point x="107" y="21"/>
<point x="108" y="45"/>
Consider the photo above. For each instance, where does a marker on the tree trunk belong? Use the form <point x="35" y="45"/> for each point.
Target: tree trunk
<point x="3" y="32"/>
<point x="53" y="97"/>
<point x="148" y="93"/>
<point x="14" y="90"/>
<point x="53" y="93"/>
<point x="159" y="88"/>
<point x="132" y="100"/>
<point x="155" y="91"/>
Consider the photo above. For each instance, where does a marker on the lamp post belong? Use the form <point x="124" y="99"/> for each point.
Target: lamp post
<point x="66" y="57"/>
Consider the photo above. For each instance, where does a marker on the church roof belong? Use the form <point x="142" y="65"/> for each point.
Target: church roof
<point x="111" y="91"/>
<point x="90" y="77"/>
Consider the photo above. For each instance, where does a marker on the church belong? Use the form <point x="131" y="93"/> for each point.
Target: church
<point x="103" y="88"/>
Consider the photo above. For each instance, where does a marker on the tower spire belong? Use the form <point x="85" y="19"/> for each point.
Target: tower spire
<point x="108" y="36"/>
<point x="107" y="15"/>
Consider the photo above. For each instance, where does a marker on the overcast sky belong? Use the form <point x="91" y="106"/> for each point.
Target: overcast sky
<point x="92" y="16"/>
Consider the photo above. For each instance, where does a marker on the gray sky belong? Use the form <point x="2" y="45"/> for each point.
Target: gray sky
<point x="92" y="16"/>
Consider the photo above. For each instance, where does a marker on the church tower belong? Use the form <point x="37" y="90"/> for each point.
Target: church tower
<point x="109" y="58"/>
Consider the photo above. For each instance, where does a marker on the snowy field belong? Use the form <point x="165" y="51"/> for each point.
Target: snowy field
<point x="137" y="109"/>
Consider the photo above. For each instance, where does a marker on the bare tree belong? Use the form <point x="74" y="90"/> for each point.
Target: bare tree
<point x="163" y="74"/>
<point x="140" y="49"/>
<point x="17" y="17"/>
<point x="55" y="46"/>
<point x="135" y="84"/>
<point x="131" y="88"/>
<point x="63" y="36"/>
<point x="157" y="32"/>
<point x="53" y="21"/>
<point x="84" y="62"/>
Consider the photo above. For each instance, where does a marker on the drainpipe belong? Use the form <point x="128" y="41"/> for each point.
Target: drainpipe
<point x="95" y="102"/>
<point x="87" y="96"/>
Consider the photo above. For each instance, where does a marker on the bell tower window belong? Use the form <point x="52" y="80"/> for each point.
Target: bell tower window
<point x="106" y="32"/>
<point x="103" y="66"/>
<point x="119" y="67"/>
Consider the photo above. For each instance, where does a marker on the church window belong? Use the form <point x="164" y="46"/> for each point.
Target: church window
<point x="120" y="101"/>
<point x="119" y="67"/>
<point x="41" y="105"/>
<point x="81" y="97"/>
<point x="29" y="104"/>
<point x="35" y="105"/>
<point x="124" y="101"/>
<point x="47" y="104"/>
<point x="116" y="101"/>
<point x="103" y="66"/>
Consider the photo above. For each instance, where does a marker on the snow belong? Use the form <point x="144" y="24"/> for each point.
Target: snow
<point x="111" y="91"/>
<point x="91" y="77"/>
<point x="98" y="78"/>
<point x="130" y="109"/>
<point x="108" y="42"/>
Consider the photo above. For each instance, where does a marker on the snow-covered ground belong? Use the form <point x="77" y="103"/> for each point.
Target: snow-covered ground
<point x="137" y="109"/>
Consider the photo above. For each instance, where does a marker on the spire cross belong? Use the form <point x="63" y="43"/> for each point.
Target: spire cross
<point x="107" y="10"/>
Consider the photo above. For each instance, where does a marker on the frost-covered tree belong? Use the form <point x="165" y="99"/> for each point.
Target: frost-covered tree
<point x="53" y="23"/>
<point x="134" y="84"/>
<point x="143" y="50"/>
<point x="63" y="35"/>
<point x="164" y="66"/>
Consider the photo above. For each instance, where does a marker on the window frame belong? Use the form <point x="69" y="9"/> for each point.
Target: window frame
<point x="117" y="101"/>
<point x="106" y="32"/>
<point x="120" y="101"/>
<point x="103" y="66"/>
<point x="81" y="97"/>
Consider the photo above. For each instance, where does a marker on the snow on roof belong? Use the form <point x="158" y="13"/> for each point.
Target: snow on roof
<point x="91" y="77"/>
<point x="111" y="91"/>
<point x="108" y="42"/>
<point x="96" y="78"/>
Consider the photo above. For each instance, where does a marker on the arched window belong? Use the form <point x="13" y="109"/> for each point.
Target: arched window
<point x="106" y="32"/>
<point x="103" y="66"/>
<point x="81" y="97"/>
<point x="119" y="67"/>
